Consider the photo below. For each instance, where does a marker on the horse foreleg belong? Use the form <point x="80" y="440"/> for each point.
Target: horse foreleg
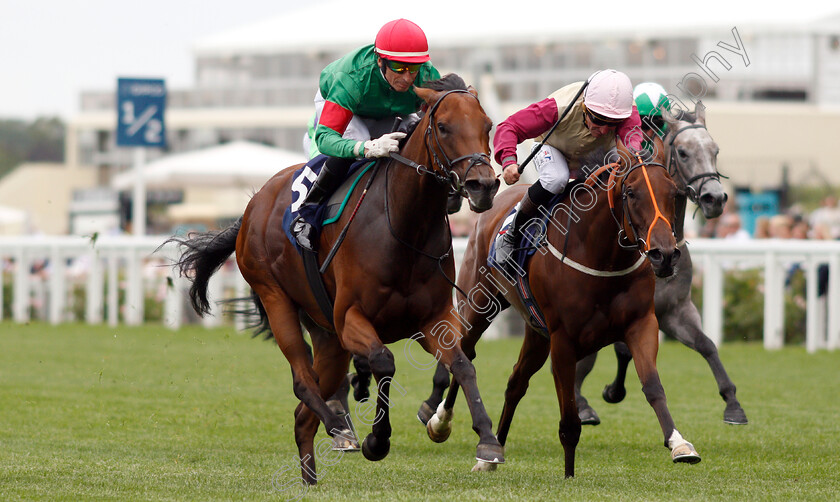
<point x="563" y="362"/>
<point x="682" y="322"/>
<point x="359" y="336"/>
<point x="643" y="341"/>
<point x="440" y="382"/>
<point x="463" y="373"/>
<point x="615" y="392"/>
<point x="582" y="369"/>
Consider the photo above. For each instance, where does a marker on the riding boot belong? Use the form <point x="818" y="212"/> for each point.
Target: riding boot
<point x="329" y="179"/>
<point x="534" y="198"/>
<point x="506" y="246"/>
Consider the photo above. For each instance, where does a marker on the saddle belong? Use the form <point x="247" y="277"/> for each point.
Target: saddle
<point x="532" y="237"/>
<point x="323" y="214"/>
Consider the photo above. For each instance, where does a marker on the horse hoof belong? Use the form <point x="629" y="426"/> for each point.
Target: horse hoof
<point x="425" y="413"/>
<point x="437" y="430"/>
<point x="375" y="449"/>
<point x="439" y="425"/>
<point x="614" y="395"/>
<point x="588" y="416"/>
<point x="490" y="453"/>
<point x="735" y="415"/>
<point x="345" y="441"/>
<point x="685" y="453"/>
<point x="482" y="466"/>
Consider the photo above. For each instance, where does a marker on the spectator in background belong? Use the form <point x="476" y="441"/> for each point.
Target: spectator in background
<point x="762" y="228"/>
<point x="828" y="215"/>
<point x="780" y="226"/>
<point x="800" y="229"/>
<point x="729" y="227"/>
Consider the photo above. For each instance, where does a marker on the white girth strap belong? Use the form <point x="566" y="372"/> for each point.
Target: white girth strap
<point x="591" y="271"/>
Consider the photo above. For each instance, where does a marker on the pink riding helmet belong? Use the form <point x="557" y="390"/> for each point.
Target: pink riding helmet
<point x="609" y="94"/>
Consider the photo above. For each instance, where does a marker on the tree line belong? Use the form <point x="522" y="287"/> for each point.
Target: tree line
<point x="41" y="140"/>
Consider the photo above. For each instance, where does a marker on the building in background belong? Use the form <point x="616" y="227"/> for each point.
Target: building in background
<point x="770" y="80"/>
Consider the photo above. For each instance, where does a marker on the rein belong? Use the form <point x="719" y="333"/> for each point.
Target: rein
<point x="675" y="168"/>
<point x="446" y="174"/>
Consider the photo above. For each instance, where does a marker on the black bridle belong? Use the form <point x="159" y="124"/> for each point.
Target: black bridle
<point x="445" y="174"/>
<point x="675" y="168"/>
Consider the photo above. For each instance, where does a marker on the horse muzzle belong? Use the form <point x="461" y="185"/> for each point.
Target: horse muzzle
<point x="712" y="203"/>
<point x="480" y="193"/>
<point x="664" y="262"/>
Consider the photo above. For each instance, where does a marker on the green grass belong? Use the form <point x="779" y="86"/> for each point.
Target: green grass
<point x="149" y="414"/>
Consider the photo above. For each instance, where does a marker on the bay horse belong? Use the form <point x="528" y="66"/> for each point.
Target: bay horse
<point x="690" y="154"/>
<point x="594" y="282"/>
<point x="389" y="280"/>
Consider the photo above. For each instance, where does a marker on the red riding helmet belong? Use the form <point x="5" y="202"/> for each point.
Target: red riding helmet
<point x="401" y="40"/>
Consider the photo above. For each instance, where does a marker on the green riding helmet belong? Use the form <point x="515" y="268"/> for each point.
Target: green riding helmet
<point x="650" y="98"/>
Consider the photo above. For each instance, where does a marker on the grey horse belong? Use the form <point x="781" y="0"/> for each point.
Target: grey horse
<point x="690" y="154"/>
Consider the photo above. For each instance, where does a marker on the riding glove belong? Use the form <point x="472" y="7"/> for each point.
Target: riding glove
<point x="384" y="145"/>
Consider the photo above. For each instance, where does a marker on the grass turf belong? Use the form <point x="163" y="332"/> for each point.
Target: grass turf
<point x="94" y="412"/>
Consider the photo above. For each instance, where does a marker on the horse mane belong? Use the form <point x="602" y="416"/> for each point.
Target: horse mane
<point x="448" y="82"/>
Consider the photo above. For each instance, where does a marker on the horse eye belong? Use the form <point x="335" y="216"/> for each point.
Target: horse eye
<point x="441" y="128"/>
<point x="682" y="153"/>
<point x="630" y="193"/>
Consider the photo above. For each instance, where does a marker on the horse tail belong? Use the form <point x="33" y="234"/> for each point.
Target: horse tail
<point x="205" y="253"/>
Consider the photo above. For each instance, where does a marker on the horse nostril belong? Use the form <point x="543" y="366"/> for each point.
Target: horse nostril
<point x="707" y="199"/>
<point x="675" y="256"/>
<point x="655" y="255"/>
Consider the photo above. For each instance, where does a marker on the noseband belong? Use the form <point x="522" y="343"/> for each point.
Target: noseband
<point x="675" y="168"/>
<point x="445" y="173"/>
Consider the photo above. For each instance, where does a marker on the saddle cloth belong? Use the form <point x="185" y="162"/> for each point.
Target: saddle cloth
<point x="302" y="182"/>
<point x="532" y="237"/>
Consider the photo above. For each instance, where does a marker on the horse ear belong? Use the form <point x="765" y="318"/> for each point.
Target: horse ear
<point x="472" y="91"/>
<point x="700" y="112"/>
<point x="427" y="95"/>
<point x="671" y="116"/>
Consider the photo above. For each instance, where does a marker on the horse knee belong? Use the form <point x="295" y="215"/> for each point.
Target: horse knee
<point x="382" y="362"/>
<point x="653" y="390"/>
<point x="441" y="377"/>
<point x="462" y="369"/>
<point x="704" y="346"/>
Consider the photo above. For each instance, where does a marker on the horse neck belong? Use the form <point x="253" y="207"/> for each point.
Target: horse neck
<point x="597" y="232"/>
<point x="416" y="202"/>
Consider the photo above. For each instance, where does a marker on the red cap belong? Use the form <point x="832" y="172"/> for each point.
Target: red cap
<point x="402" y="40"/>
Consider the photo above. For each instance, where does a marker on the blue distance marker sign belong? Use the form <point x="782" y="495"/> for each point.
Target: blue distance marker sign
<point x="140" y="108"/>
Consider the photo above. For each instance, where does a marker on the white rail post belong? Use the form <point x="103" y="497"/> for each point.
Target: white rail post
<point x="833" y="302"/>
<point x="57" y="285"/>
<point x="134" y="288"/>
<point x="95" y="289"/>
<point x="113" y="288"/>
<point x="813" y="334"/>
<point x="774" y="301"/>
<point x="21" y="289"/>
<point x="713" y="299"/>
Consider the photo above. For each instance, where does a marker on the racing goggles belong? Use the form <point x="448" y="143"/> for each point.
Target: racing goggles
<point x="400" y="67"/>
<point x="600" y="120"/>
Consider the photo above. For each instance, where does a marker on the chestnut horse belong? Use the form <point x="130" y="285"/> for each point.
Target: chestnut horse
<point x="389" y="280"/>
<point x="594" y="282"/>
<point x="690" y="153"/>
